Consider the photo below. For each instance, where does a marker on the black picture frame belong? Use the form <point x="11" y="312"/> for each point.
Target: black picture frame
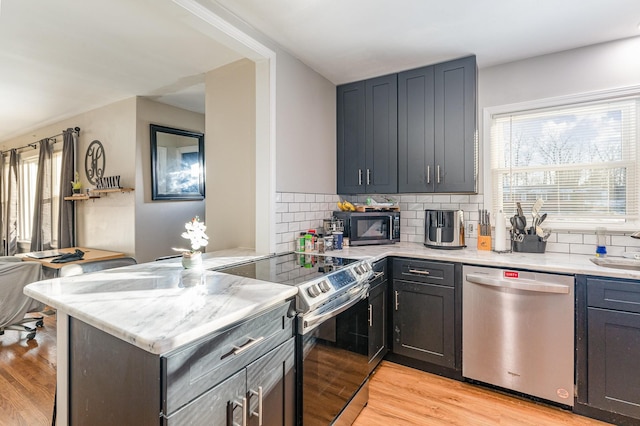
<point x="177" y="164"/>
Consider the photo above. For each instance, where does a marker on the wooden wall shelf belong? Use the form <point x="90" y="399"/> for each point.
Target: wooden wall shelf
<point x="96" y="193"/>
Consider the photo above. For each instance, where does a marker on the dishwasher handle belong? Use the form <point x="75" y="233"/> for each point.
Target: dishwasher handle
<point x="520" y="284"/>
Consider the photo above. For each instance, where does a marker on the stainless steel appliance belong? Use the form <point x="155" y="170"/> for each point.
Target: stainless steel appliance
<point x="444" y="229"/>
<point x="518" y="331"/>
<point x="332" y="331"/>
<point x="365" y="228"/>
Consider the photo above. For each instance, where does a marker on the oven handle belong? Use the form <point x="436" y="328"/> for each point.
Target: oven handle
<point x="526" y="285"/>
<point x="314" y="320"/>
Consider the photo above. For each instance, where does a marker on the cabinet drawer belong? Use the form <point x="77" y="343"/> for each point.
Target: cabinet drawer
<point x="424" y="271"/>
<point x="619" y="295"/>
<point x="191" y="371"/>
<point x="379" y="267"/>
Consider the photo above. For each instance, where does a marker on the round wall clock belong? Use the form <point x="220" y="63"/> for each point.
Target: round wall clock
<point x="94" y="162"/>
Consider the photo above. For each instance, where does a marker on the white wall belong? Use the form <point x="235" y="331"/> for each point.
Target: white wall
<point x="230" y="155"/>
<point x="159" y="224"/>
<point x="306" y="129"/>
<point x="107" y="223"/>
<point x="588" y="69"/>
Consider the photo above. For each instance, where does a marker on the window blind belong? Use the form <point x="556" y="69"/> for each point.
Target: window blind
<point x="580" y="159"/>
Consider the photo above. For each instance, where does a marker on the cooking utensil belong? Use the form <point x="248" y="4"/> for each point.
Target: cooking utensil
<point x="542" y="218"/>
<point x="519" y="209"/>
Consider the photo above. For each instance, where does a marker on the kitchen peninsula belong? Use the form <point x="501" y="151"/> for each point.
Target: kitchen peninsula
<point x="156" y="308"/>
<point x="159" y="309"/>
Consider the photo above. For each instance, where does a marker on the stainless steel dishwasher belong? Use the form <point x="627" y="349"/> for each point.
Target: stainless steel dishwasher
<point x="518" y="331"/>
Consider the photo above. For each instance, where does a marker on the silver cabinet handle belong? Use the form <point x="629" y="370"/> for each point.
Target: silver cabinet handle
<point x="242" y="405"/>
<point x="396" y="292"/>
<point x="368" y="177"/>
<point x="370" y="315"/>
<point x="259" y="413"/>
<point x="438" y="173"/>
<point x="251" y="343"/>
<point x="359" y="177"/>
<point x="428" y="174"/>
<point x="419" y="272"/>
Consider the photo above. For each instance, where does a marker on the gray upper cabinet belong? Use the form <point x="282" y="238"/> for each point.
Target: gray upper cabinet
<point x="367" y="136"/>
<point x="416" y="134"/>
<point x="436" y="128"/>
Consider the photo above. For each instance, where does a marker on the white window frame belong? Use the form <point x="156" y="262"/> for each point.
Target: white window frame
<point x="489" y="112"/>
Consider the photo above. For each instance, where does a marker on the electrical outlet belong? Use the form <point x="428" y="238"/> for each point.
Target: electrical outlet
<point x="470" y="229"/>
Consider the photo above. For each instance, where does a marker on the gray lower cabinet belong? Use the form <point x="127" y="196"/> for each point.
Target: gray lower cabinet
<point x="378" y="346"/>
<point x="609" y="377"/>
<point x="263" y="392"/>
<point x="436" y="127"/>
<point x="425" y="325"/>
<point x="244" y="371"/>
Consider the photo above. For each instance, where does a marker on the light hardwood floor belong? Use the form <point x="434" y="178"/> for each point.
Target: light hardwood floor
<point x="28" y="376"/>
<point x="398" y="395"/>
<point x="401" y="395"/>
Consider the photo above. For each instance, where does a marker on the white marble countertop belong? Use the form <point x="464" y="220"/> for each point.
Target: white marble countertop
<point x="544" y="262"/>
<point x="159" y="306"/>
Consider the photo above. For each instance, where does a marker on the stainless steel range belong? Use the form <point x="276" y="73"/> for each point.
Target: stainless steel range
<point x="332" y="341"/>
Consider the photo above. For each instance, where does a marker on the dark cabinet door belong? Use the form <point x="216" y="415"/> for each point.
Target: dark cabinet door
<point x="381" y="134"/>
<point x="416" y="138"/>
<point x="377" y="324"/>
<point x="424" y="322"/>
<point x="221" y="405"/>
<point x="271" y="387"/>
<point x="455" y="125"/>
<point x="351" y="138"/>
<point x="613" y="348"/>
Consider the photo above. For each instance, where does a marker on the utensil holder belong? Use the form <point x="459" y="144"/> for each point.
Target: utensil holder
<point x="530" y="244"/>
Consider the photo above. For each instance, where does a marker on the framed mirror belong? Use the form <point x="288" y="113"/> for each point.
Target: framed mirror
<point x="177" y="164"/>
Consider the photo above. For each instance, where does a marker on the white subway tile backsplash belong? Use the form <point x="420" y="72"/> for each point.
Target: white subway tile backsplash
<point x="287" y="197"/>
<point x="297" y="212"/>
<point x="569" y="238"/>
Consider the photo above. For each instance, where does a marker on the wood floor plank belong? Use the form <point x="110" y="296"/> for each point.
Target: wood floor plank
<point x="400" y="395"/>
<point x="28" y="376"/>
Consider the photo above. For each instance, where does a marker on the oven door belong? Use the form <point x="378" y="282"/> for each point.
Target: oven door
<point x="333" y="364"/>
<point x="371" y="228"/>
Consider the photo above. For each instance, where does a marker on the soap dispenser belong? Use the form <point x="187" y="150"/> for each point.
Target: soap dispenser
<point x="601" y="242"/>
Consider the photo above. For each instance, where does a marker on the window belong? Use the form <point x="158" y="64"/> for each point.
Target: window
<point x="28" y="172"/>
<point x="581" y="159"/>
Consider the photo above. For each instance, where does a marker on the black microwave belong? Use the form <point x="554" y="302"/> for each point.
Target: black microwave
<point x="364" y="228"/>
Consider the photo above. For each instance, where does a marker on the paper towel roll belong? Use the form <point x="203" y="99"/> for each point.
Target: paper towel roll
<point x="500" y="239"/>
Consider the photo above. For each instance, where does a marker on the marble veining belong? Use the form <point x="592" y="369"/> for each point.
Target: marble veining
<point x="159" y="306"/>
<point x="561" y="263"/>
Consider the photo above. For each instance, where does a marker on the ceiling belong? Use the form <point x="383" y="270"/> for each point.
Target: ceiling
<point x="64" y="57"/>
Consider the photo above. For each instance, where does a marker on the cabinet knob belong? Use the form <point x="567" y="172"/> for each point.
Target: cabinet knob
<point x="438" y="173"/>
<point x="359" y="177"/>
<point x="428" y="174"/>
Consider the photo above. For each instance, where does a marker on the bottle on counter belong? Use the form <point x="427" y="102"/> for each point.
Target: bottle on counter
<point x="308" y="242"/>
<point x="601" y="242"/>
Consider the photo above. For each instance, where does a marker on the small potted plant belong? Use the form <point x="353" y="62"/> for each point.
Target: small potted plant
<point x="195" y="233"/>
<point x="76" y="185"/>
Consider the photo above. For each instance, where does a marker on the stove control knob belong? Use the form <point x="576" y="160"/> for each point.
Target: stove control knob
<point x="324" y="286"/>
<point x="313" y="291"/>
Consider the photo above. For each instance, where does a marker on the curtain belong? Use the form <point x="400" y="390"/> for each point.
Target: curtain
<point x="11" y="215"/>
<point x="2" y="205"/>
<point x="66" y="228"/>
<point x="41" y="232"/>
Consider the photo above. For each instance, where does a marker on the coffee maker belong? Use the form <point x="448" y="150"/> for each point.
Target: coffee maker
<point x="444" y="229"/>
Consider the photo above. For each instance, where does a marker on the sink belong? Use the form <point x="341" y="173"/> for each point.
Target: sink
<point x="617" y="262"/>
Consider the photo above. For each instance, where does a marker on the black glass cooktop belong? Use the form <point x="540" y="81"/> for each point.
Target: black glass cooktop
<point x="291" y="268"/>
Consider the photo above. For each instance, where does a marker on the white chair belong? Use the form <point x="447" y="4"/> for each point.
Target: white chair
<point x="14" y="304"/>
